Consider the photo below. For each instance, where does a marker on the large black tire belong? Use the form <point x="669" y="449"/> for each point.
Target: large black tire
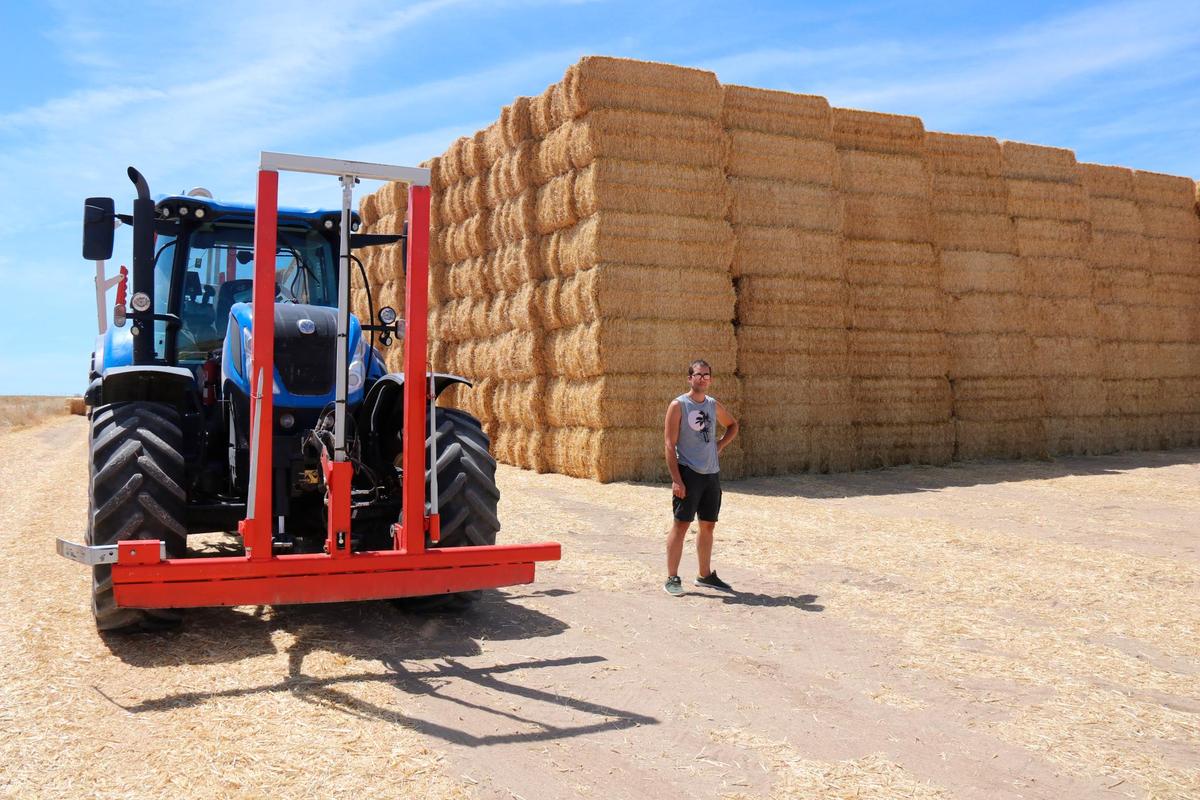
<point x="466" y="473"/>
<point x="467" y="498"/>
<point x="137" y="490"/>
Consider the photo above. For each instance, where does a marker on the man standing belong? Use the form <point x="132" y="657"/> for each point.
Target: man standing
<point x="692" y="451"/>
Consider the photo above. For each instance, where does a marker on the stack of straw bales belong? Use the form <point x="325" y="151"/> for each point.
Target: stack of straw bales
<point x="382" y="212"/>
<point x="1048" y="204"/>
<point x="997" y="397"/>
<point x="588" y="266"/>
<point x="898" y="356"/>
<point x="791" y="285"/>
<point x="901" y="296"/>
<point x="1145" y="237"/>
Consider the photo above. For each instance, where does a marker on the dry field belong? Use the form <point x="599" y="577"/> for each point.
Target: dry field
<point x="20" y="411"/>
<point x="973" y="631"/>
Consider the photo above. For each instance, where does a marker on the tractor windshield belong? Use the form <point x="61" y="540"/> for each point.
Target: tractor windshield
<point x="219" y="271"/>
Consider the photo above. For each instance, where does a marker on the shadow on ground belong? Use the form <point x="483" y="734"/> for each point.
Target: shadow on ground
<point x="421" y="652"/>
<point x="804" y="602"/>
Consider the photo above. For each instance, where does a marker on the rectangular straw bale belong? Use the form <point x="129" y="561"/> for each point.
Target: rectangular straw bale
<point x="392" y="198"/>
<point x="1110" y="249"/>
<point x="516" y="356"/>
<point x="998" y="398"/>
<point x="519" y="262"/>
<point x="653" y="239"/>
<point x="547" y="111"/>
<point x="753" y="154"/>
<point x="796" y="352"/>
<point x="1059" y="277"/>
<point x="368" y="209"/>
<point x="555" y="204"/>
<point x="783" y="401"/>
<point x="493" y="143"/>
<point x="969" y="271"/>
<point x="1074" y="397"/>
<point x="1036" y="162"/>
<point x="778" y="450"/>
<point x="1101" y="180"/>
<point x="1154" y="188"/>
<point x="513" y="220"/>
<point x="522" y="308"/>
<point x="1050" y="237"/>
<point x="625" y="400"/>
<point x="521" y="403"/>
<point x="512" y="173"/>
<point x="516" y="123"/>
<point x="1115" y="214"/>
<point x="898" y="354"/>
<point x="758" y="201"/>
<point x="630" y="136"/>
<point x="785" y="301"/>
<point x="605" y="82"/>
<point x="958" y="154"/>
<point x="1120" y="322"/>
<point x="1066" y="356"/>
<point x="923" y="304"/>
<point x="977" y="439"/>
<point x="467" y="239"/>
<point x="624" y="291"/>
<point x="991" y="233"/>
<point x="469" y="278"/>
<point x="1047" y="200"/>
<point x="522" y="447"/>
<point x="980" y="195"/>
<point x="883" y="173"/>
<point x="892" y="263"/>
<point x="1175" y="290"/>
<point x="977" y="312"/>
<point x="987" y="355"/>
<point x="1170" y="223"/>
<point x="887" y="218"/>
<point x="649" y="188"/>
<point x="1176" y="256"/>
<point x="1124" y="286"/>
<point x="1176" y="396"/>
<point x="768" y="111"/>
<point x="1076" y="436"/>
<point x="1132" y="396"/>
<point x="1061" y="316"/>
<point x="609" y="454"/>
<point x="1152" y="360"/>
<point x="893" y="445"/>
<point x="766" y="250"/>
<point x="880" y="133"/>
<point x="617" y="345"/>
<point x="463" y="199"/>
<point x="892" y="400"/>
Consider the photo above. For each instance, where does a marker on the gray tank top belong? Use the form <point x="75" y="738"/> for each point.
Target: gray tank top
<point x="696" y="448"/>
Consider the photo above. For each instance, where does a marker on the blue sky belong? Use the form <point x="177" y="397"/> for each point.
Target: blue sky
<point x="190" y="93"/>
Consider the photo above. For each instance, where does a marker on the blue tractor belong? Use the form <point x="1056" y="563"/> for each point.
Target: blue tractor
<point x="170" y="394"/>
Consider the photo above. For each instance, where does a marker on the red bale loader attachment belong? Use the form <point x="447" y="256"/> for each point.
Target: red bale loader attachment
<point x="410" y="559"/>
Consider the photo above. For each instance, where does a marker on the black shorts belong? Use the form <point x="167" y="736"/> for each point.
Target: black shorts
<point x="703" y="496"/>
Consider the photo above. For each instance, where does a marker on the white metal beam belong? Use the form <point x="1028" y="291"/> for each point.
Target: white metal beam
<point x="288" y="162"/>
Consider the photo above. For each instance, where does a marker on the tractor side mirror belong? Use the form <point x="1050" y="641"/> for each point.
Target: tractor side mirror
<point x="98" y="213"/>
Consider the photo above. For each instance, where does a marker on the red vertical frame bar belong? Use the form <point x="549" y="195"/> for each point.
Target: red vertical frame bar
<point x="258" y="532"/>
<point x="416" y="334"/>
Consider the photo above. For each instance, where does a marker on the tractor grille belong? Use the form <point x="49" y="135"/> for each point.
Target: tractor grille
<point x="306" y="361"/>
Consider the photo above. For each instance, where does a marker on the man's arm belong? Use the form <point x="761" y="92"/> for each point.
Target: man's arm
<point x="729" y="423"/>
<point x="670" y="439"/>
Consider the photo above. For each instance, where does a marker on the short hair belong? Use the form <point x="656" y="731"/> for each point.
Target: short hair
<point x="699" y="362"/>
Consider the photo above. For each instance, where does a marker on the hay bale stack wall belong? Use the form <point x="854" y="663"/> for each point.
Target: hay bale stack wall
<point x="868" y="293"/>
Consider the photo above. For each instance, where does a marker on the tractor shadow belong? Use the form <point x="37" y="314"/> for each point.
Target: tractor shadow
<point x="425" y="656"/>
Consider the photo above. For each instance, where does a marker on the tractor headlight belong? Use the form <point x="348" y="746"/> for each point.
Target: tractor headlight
<point x="247" y="341"/>
<point x="358" y="367"/>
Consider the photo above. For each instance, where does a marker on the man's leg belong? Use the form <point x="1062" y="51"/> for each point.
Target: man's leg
<point x="704" y="545"/>
<point x="675" y="545"/>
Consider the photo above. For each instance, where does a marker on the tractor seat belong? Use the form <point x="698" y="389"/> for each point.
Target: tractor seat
<point x="239" y="290"/>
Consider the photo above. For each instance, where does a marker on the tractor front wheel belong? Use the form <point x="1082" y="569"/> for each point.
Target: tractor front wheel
<point x="137" y="490"/>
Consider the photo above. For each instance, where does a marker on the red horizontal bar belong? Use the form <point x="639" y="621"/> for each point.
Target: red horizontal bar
<point x="236" y="568"/>
<point x="327" y="588"/>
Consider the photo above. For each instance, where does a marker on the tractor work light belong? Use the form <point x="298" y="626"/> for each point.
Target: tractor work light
<point x="140" y="302"/>
<point x="183" y="210"/>
<point x="200" y="213"/>
<point x="387" y="315"/>
<point x="329" y="224"/>
<point x="286" y="421"/>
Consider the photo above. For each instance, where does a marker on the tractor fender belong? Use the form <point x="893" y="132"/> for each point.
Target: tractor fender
<point x="174" y="386"/>
<point x="381" y="415"/>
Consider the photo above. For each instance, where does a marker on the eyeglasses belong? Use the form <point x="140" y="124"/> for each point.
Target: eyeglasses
<point x="701" y="375"/>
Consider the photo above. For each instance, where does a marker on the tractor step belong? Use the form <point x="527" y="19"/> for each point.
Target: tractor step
<point x="94" y="555"/>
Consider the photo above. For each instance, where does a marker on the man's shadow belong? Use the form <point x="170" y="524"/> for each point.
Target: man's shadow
<point x="804" y="602"/>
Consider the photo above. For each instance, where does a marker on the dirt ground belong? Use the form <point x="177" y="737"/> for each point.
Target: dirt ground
<point x="1023" y="630"/>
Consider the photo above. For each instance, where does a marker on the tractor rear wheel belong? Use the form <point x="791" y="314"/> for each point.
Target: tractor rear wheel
<point x="466" y="476"/>
<point x="136" y="491"/>
<point x="467" y="498"/>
